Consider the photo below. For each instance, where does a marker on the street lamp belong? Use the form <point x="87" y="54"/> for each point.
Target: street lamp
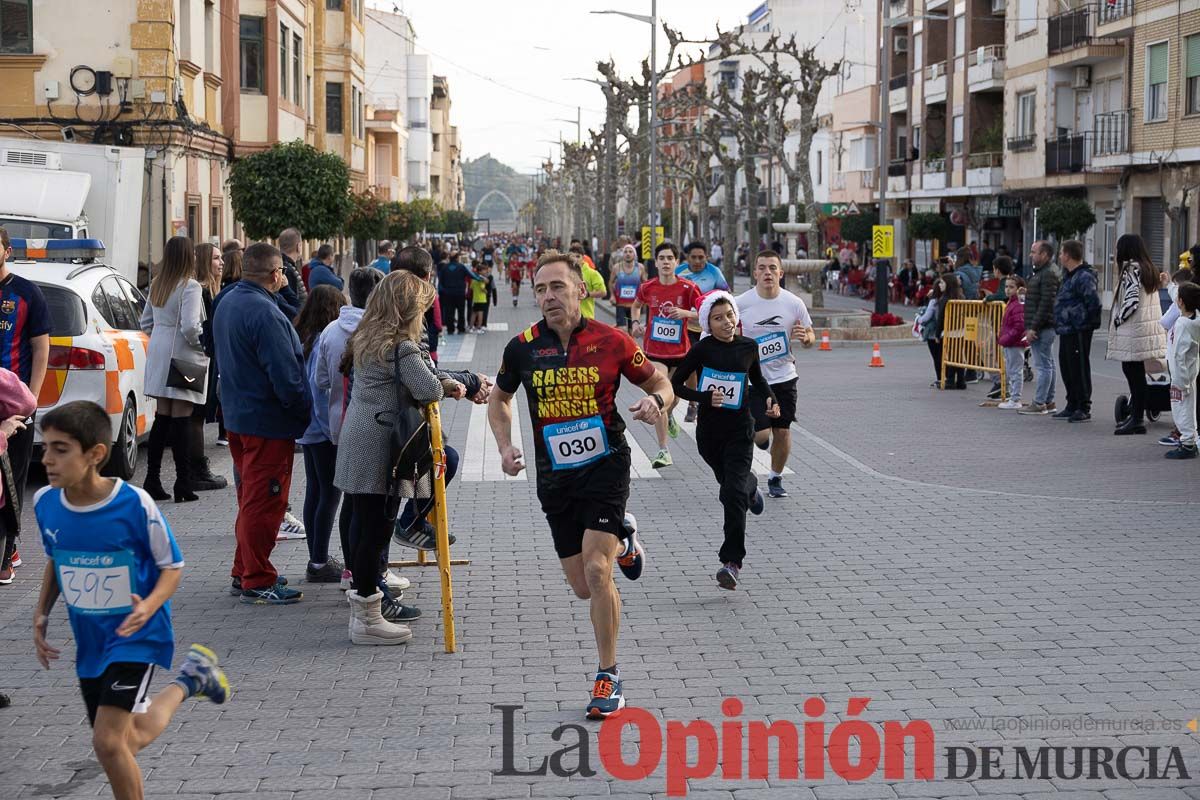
<point x="652" y="21"/>
<point x="577" y="122"/>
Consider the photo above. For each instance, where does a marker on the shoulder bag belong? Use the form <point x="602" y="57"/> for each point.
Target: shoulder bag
<point x="410" y="446"/>
<point x="183" y="374"/>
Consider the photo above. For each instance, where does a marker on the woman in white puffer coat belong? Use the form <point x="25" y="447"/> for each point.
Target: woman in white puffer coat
<point x="1134" y="332"/>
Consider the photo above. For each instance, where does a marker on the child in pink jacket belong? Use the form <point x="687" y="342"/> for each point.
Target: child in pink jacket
<point x="1012" y="339"/>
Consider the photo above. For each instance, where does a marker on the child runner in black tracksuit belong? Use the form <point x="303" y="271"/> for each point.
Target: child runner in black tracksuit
<point x="725" y="362"/>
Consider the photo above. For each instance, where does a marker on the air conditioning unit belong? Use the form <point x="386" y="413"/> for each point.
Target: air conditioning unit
<point x="1082" y="78"/>
<point x="901" y="44"/>
<point x="998" y="6"/>
<point x="31" y="158"/>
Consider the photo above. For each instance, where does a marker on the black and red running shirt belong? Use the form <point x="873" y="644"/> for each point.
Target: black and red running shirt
<point x="577" y="383"/>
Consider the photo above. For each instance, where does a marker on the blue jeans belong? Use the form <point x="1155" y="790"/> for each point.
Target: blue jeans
<point x="1042" y="350"/>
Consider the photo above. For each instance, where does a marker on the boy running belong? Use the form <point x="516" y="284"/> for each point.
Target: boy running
<point x="725" y="362"/>
<point x="672" y="302"/>
<point x="112" y="556"/>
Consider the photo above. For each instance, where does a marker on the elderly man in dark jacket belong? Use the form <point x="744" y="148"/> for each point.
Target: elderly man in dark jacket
<point x="1076" y="315"/>
<point x="266" y="402"/>
<point x="1040" y="292"/>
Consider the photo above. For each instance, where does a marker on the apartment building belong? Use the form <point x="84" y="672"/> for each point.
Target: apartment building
<point x="946" y="107"/>
<point x="445" y="166"/>
<point x="339" y="69"/>
<point x="853" y="162"/>
<point x="131" y="74"/>
<point x="677" y="193"/>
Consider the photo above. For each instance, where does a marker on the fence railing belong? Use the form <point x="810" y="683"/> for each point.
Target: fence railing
<point x="1070" y="29"/>
<point x="1111" y="133"/>
<point x="985" y="160"/>
<point x="1113" y="10"/>
<point x="1068" y="154"/>
<point x="982" y="55"/>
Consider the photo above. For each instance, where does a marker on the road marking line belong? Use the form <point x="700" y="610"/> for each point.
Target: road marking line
<point x="497" y="326"/>
<point x="638" y="461"/>
<point x="482" y="460"/>
<point x="461" y="354"/>
<point x="762" y="458"/>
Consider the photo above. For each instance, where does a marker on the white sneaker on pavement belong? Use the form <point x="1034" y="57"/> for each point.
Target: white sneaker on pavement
<point x="290" y="528"/>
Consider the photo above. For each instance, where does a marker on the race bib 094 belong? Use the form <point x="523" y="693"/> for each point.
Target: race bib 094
<point x="731" y="386"/>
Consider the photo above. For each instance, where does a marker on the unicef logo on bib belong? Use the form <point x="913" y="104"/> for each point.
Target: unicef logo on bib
<point x="666" y="330"/>
<point x="573" y="444"/>
<point x="730" y="386"/>
<point x="95" y="583"/>
<point x="772" y="346"/>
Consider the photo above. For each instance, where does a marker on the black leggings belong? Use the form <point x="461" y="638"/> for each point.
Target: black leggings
<point x="1135" y="375"/>
<point x="370" y="532"/>
<point x="730" y="454"/>
<point x="321" y="499"/>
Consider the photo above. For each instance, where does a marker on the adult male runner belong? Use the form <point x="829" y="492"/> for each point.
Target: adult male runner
<point x="672" y="302"/>
<point x="709" y="278"/>
<point x="773" y="316"/>
<point x="516" y="268"/>
<point x="571" y="368"/>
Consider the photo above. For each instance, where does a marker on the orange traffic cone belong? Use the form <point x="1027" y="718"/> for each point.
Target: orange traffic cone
<point x="825" y="341"/>
<point x="876" y="358"/>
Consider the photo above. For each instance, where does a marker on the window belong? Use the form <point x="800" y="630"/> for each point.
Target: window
<point x="16" y="26"/>
<point x="333" y="5"/>
<point x="956" y="147"/>
<point x="333" y="108"/>
<point x="1027" y="11"/>
<point x="252" y="54"/>
<point x="118" y="305"/>
<point x="136" y="299"/>
<point x="1026" y="106"/>
<point x="283" y="61"/>
<point x="1156" y="81"/>
<point x="437" y="143"/>
<point x="193" y="222"/>
<point x="916" y="142"/>
<point x="297" y="69"/>
<point x="214" y="221"/>
<point x="960" y="35"/>
<point x="185" y="30"/>
<point x="354" y="118"/>
<point x="918" y="48"/>
<point x="1192" y="73"/>
<point x="210" y="48"/>
<point x="820" y="168"/>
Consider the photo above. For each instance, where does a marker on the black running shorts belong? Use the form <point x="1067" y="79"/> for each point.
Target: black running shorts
<point x="595" y="501"/>
<point x="785" y="395"/>
<point x="123" y="684"/>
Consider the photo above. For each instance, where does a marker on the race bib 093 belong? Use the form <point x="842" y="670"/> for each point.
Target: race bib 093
<point x="772" y="346"/>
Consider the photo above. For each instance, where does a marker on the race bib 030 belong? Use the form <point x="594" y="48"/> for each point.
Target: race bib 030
<point x="772" y="346"/>
<point x="96" y="583"/>
<point x="731" y="386"/>
<point x="666" y="330"/>
<point x="573" y="444"/>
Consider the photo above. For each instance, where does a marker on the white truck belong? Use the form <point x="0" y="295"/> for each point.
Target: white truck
<point x="66" y="190"/>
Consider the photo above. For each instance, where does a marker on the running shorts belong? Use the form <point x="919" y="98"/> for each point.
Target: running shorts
<point x="785" y="395"/>
<point x="596" y="501"/>
<point x="123" y="684"/>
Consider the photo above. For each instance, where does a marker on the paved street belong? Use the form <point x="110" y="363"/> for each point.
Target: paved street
<point x="954" y="564"/>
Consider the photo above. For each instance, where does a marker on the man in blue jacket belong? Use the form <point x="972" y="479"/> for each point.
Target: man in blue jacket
<point x="320" y="270"/>
<point x="454" y="278"/>
<point x="266" y="402"/>
<point x="1076" y="317"/>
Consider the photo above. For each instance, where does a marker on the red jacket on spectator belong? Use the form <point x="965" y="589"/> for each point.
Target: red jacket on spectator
<point x="1012" y="327"/>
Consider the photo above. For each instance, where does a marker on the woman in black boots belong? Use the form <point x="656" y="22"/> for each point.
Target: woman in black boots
<point x="209" y="266"/>
<point x="175" y="359"/>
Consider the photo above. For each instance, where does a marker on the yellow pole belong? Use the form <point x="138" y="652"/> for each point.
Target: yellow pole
<point x="441" y="526"/>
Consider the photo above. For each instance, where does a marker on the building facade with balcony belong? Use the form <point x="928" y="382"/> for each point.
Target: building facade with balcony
<point x="946" y="107"/>
<point x="445" y="166"/>
<point x="146" y="75"/>
<point x="339" y="69"/>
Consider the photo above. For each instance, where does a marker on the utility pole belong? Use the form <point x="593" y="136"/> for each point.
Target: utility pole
<point x="654" y="207"/>
<point x="885" y="78"/>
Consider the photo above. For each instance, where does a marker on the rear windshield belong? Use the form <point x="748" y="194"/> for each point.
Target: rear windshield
<point x="24" y="229"/>
<point x="68" y="317"/>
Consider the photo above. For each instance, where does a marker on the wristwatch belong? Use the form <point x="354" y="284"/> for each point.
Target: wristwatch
<point x="658" y="399"/>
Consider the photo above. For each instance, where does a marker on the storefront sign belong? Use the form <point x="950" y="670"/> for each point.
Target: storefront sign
<point x="927" y="206"/>
<point x="840" y="209"/>
<point x="998" y="206"/>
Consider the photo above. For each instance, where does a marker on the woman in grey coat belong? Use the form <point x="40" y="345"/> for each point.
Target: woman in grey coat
<point x="174" y="320"/>
<point x="385" y="342"/>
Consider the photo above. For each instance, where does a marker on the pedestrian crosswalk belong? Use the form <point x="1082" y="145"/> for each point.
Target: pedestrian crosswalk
<point x="458" y="349"/>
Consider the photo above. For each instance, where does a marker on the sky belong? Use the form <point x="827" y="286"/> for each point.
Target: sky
<point x="508" y="63"/>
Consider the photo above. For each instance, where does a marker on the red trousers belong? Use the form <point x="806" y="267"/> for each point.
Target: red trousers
<point x="265" y="467"/>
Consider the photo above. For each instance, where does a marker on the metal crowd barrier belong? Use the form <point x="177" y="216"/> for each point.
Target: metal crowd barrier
<point x="969" y="338"/>
<point x="440" y="518"/>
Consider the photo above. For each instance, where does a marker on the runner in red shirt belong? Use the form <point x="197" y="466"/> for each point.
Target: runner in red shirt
<point x="515" y="270"/>
<point x="671" y="302"/>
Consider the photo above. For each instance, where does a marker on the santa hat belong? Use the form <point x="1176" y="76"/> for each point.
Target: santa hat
<point x="711" y="299"/>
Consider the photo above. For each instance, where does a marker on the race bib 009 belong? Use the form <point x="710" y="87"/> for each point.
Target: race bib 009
<point x="731" y="386"/>
<point x="573" y="444"/>
<point x="95" y="583"/>
<point x="772" y="346"/>
<point x="666" y="330"/>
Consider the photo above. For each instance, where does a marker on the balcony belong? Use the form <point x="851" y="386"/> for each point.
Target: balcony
<point x="1022" y="144"/>
<point x="933" y="174"/>
<point x="1072" y="37"/>
<point x="1111" y="134"/>
<point x="1067" y="154"/>
<point x="985" y="169"/>
<point x="985" y="69"/>
<point x="897" y="168"/>
<point x="935" y="83"/>
<point x="1114" y="16"/>
<point x="930" y="5"/>
<point x="898" y="93"/>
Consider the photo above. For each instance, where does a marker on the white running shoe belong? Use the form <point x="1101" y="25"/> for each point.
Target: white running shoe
<point x="394" y="582"/>
<point x="290" y="528"/>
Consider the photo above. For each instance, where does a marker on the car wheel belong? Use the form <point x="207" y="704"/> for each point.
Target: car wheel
<point x="125" y="453"/>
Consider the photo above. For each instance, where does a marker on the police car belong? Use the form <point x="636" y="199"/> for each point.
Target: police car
<point x="97" y="348"/>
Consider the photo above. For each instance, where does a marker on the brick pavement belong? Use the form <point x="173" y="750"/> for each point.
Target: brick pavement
<point x="887" y="574"/>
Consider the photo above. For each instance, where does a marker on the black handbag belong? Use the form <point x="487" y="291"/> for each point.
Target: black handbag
<point x="410" y="445"/>
<point x="182" y="374"/>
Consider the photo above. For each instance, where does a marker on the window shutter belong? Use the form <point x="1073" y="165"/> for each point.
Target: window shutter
<point x="1193" y="57"/>
<point x="1157" y="60"/>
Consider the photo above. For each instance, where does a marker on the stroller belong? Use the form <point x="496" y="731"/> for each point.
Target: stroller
<point x="1158" y="394"/>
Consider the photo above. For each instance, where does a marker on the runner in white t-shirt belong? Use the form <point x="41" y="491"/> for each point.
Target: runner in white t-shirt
<point x="773" y="317"/>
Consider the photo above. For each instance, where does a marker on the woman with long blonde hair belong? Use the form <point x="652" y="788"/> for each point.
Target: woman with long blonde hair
<point x="174" y="321"/>
<point x="209" y="267"/>
<point x="386" y="345"/>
